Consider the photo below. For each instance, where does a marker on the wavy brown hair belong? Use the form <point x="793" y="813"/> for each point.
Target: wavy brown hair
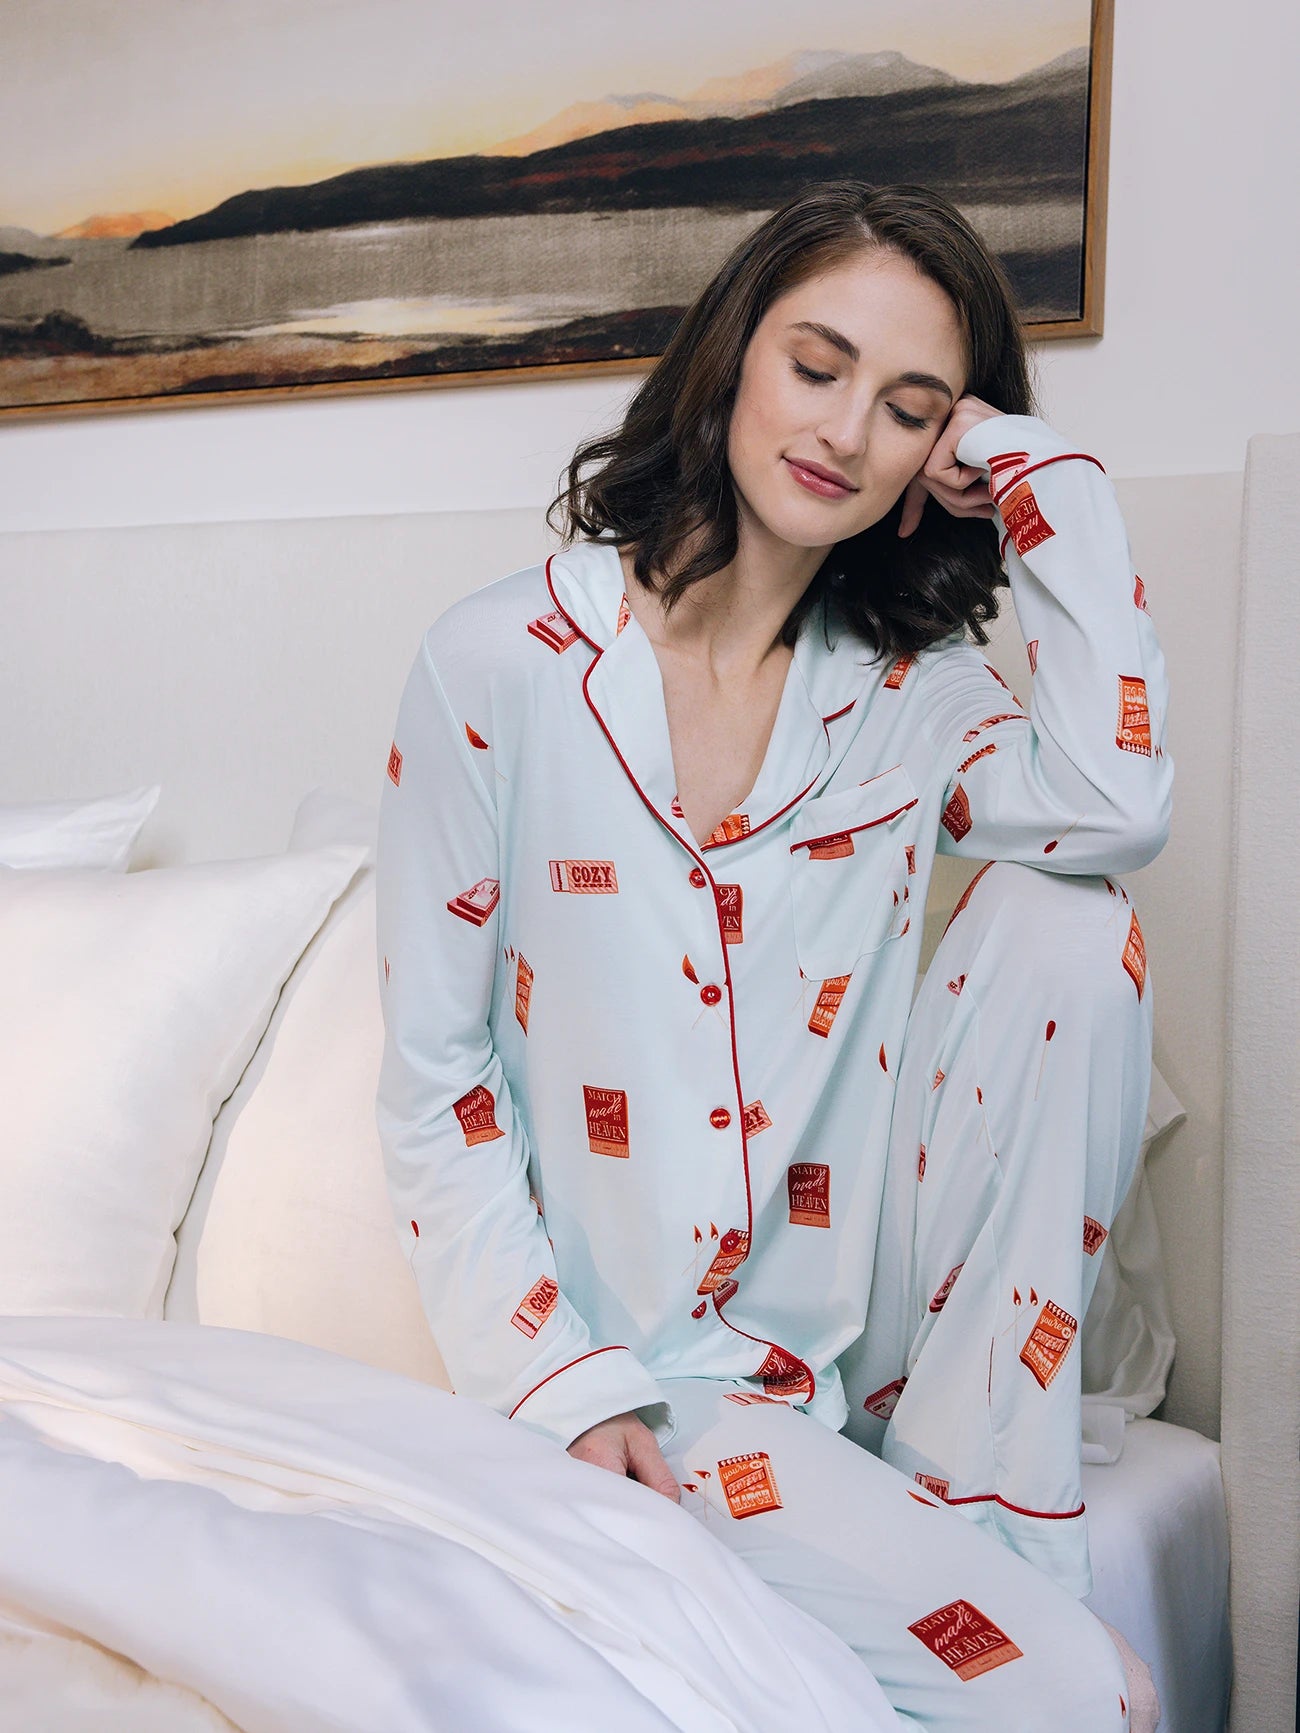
<point x="662" y="481"/>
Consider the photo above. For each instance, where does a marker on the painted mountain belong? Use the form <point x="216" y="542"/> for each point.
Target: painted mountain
<point x="582" y="241"/>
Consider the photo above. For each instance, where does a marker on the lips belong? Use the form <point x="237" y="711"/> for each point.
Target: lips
<point x="819" y="480"/>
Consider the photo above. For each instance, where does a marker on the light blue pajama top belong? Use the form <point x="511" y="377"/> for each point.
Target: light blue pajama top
<point x="635" y="1093"/>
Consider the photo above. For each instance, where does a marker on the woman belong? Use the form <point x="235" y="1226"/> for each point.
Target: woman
<point x="688" y="1183"/>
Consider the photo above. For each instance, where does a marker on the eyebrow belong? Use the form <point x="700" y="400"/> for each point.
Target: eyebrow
<point x="847" y="347"/>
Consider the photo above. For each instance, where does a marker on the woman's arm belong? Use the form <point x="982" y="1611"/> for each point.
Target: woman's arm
<point x="1082" y="781"/>
<point x="455" y="1150"/>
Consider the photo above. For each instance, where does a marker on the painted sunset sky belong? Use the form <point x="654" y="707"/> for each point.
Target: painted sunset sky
<point x="179" y="104"/>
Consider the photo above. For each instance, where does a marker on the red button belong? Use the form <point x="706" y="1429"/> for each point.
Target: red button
<point x="697" y="878"/>
<point x="710" y="994"/>
<point x="720" y="1117"/>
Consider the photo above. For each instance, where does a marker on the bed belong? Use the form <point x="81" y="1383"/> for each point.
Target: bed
<point x="230" y="1266"/>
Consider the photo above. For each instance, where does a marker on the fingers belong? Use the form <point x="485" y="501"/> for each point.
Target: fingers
<point x="646" y="1464"/>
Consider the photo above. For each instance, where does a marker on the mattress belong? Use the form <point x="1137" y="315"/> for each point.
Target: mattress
<point x="1158" y="1535"/>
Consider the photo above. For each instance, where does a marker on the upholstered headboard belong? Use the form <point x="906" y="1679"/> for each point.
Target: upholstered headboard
<point x="241" y="664"/>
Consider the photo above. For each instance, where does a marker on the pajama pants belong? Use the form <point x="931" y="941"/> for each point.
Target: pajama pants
<point x="943" y="1535"/>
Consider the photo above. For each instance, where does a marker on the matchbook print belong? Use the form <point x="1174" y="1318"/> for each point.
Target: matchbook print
<point x="555" y="630"/>
<point x="536" y="1306"/>
<point x="584" y="876"/>
<point x="606" y="1120"/>
<point x="809" y="1186"/>
<point x="477" y="903"/>
<point x="1049" y="1342"/>
<point x="477" y="1115"/>
<point x="749" y="1484"/>
<point x="965" y="1639"/>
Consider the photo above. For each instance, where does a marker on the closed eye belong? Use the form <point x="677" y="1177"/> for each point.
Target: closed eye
<point x="821" y="378"/>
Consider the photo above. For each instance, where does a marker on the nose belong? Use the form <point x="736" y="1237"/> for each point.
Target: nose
<point x="843" y="429"/>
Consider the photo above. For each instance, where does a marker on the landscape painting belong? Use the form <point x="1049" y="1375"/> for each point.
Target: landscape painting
<point x="224" y="199"/>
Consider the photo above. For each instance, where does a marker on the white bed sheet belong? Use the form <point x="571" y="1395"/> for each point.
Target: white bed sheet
<point x="1158" y="1535"/>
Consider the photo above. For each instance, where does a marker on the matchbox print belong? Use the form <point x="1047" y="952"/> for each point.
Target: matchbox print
<point x="982" y="753"/>
<point x="736" y="824"/>
<point x="965" y="1639"/>
<point x="733" y="1249"/>
<point x="899" y="672"/>
<point x="749" y="1484"/>
<point x="1094" y="1236"/>
<point x="477" y="903"/>
<point x="554" y="629"/>
<point x="932" y="1483"/>
<point x="1135" y="953"/>
<point x="584" y="876"/>
<point x="945" y="1288"/>
<point x="731" y="902"/>
<point x="1049" y="1342"/>
<point x="477" y="1114"/>
<point x="828" y="1003"/>
<point x="809" y="1186"/>
<point x="754" y="1118"/>
<point x="536" y="1306"/>
<point x="988" y="722"/>
<point x="833" y="847"/>
<point x="956" y="819"/>
<point x="1133" y="733"/>
<point x="783" y="1375"/>
<point x="1004" y="467"/>
<point x="523" y="990"/>
<point x="1023" y="517"/>
<point x="624" y="615"/>
<point x="1140" y="594"/>
<point x="395" y="766"/>
<point x="883" y="1402"/>
<point x="606" y="1120"/>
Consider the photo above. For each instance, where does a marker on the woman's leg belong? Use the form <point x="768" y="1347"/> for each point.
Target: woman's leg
<point x="962" y="1634"/>
<point x="1022" y="1095"/>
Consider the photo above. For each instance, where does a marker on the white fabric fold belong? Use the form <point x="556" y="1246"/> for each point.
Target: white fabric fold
<point x="312" y="1543"/>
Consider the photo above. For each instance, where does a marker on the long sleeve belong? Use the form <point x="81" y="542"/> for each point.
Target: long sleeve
<point x="455" y="1150"/>
<point x="1082" y="782"/>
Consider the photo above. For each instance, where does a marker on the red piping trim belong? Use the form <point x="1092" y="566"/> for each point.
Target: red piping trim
<point x="996" y="1498"/>
<point x="844" y="712"/>
<point x="848" y="830"/>
<point x="613" y="1347"/>
<point x="1060" y="457"/>
<point x="731" y="1011"/>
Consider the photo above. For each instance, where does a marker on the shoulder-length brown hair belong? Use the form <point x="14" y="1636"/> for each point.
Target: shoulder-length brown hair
<point x="664" y="481"/>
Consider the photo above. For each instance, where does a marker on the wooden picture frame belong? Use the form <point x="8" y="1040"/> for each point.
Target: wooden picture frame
<point x="680" y="191"/>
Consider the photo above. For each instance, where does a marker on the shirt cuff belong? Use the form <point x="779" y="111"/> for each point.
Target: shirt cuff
<point x="592" y="1388"/>
<point x="1010" y="433"/>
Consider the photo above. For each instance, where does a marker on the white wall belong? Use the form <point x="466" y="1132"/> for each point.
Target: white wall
<point x="1199" y="351"/>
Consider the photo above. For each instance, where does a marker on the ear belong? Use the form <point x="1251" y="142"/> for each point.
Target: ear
<point x="913" y="505"/>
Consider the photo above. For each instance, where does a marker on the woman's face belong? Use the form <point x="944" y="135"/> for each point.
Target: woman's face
<point x="804" y="395"/>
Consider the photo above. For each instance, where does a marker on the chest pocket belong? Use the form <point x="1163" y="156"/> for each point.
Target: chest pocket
<point x="848" y="864"/>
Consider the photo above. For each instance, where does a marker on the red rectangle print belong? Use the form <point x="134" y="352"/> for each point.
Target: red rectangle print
<point x="733" y="1249"/>
<point x="1049" y="1342"/>
<point x="590" y="876"/>
<point x="1133" y="733"/>
<point x="1135" y="953"/>
<point x="606" y="1120"/>
<point x="828" y="1003"/>
<point x="477" y="1114"/>
<point x="1094" y="1236"/>
<point x="783" y="1375"/>
<point x="536" y="1306"/>
<point x="883" y="1402"/>
<point x="555" y="629"/>
<point x="477" y="903"/>
<point x="1022" y="517"/>
<point x="755" y="1118"/>
<point x="809" y="1186"/>
<point x="730" y="913"/>
<point x="523" y="990"/>
<point x="956" y="818"/>
<point x="965" y="1639"/>
<point x="749" y="1483"/>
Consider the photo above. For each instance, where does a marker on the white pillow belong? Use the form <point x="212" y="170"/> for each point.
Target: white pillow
<point x="85" y="833"/>
<point x="129" y="1005"/>
<point x="291" y="1231"/>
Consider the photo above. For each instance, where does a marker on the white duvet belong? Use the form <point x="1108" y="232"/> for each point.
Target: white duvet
<point x="296" y="1542"/>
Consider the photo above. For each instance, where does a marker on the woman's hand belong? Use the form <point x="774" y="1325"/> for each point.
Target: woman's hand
<point x="627" y="1446"/>
<point x="960" y="488"/>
